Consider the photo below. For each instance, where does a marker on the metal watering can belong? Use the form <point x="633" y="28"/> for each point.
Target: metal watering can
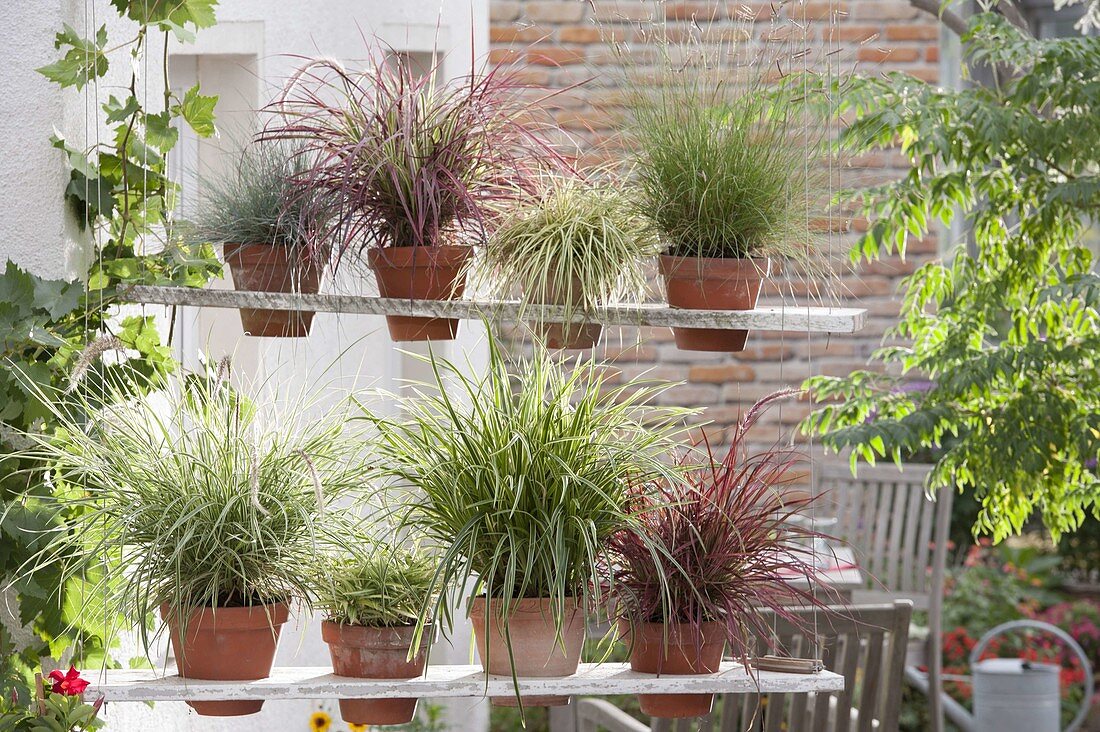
<point x="1014" y="695"/>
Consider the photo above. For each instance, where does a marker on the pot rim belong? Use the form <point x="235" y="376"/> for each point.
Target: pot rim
<point x="445" y="255"/>
<point x="525" y="605"/>
<point x="672" y="266"/>
<point x="237" y="617"/>
<point x="380" y="637"/>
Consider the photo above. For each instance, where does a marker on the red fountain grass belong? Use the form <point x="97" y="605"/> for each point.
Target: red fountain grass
<point x="392" y="156"/>
<point x="729" y="549"/>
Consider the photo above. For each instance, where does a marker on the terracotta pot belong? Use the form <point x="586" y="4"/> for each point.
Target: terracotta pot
<point x="535" y="646"/>
<point x="227" y="644"/>
<point x="688" y="651"/>
<point x="375" y="653"/>
<point x="574" y="335"/>
<point x="420" y="273"/>
<point x="700" y="283"/>
<point x="267" y="268"/>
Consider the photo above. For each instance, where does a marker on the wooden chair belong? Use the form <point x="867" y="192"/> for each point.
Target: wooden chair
<point x="866" y="645"/>
<point x="900" y="539"/>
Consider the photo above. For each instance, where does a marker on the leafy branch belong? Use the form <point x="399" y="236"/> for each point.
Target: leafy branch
<point x="992" y="366"/>
<point x="120" y="191"/>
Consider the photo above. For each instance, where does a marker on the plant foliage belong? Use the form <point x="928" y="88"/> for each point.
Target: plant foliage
<point x="59" y="711"/>
<point x="122" y="197"/>
<point x="579" y="244"/>
<point x="724" y="164"/>
<point x="521" y="478"/>
<point x="404" y="158"/>
<point x="384" y="586"/>
<point x="258" y="204"/>
<point x="1005" y="331"/>
<point x="44" y="325"/>
<point x="196" y="495"/>
<point x="729" y="547"/>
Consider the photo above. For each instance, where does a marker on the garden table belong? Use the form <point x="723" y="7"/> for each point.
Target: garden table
<point x="839" y="572"/>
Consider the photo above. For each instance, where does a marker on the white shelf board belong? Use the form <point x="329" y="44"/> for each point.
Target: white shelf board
<point x="787" y="318"/>
<point x="124" y="685"/>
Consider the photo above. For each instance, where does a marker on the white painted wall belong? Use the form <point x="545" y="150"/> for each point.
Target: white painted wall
<point x="244" y="59"/>
<point x="35" y="230"/>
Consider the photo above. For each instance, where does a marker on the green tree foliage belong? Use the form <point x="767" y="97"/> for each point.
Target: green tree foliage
<point x="1006" y="331"/>
<point x="121" y="195"/>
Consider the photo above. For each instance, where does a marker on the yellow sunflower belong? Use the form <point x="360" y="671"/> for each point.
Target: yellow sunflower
<point x="353" y="727"/>
<point x="319" y="722"/>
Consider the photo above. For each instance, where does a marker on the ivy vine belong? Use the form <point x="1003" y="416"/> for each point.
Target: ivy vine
<point x="120" y="192"/>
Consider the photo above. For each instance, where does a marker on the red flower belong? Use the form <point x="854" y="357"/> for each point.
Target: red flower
<point x="68" y="684"/>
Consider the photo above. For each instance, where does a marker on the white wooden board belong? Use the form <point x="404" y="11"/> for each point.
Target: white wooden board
<point x="789" y="318"/>
<point x="446" y="681"/>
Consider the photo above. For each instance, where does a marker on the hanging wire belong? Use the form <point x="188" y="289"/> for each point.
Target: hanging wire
<point x="145" y="154"/>
<point x="88" y="33"/>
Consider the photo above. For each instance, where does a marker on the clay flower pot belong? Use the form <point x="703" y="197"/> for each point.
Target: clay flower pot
<point x="701" y="283"/>
<point x="268" y="268"/>
<point x="535" y="646"/>
<point x="375" y="653"/>
<point x="227" y="644"/>
<point x="420" y="273"/>
<point x="684" y="651"/>
<point x="572" y="335"/>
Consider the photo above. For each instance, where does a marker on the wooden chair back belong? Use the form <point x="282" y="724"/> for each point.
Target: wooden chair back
<point x="886" y="516"/>
<point x="900" y="539"/>
<point x="865" y="644"/>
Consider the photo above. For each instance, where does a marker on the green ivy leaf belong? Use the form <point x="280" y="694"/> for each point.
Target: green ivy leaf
<point x="168" y="15"/>
<point x="159" y="131"/>
<point x="181" y="34"/>
<point x="17" y="288"/>
<point x="120" y="111"/>
<point x="57" y="297"/>
<point x="85" y="60"/>
<point x="98" y="280"/>
<point x="198" y="110"/>
<point x="77" y="159"/>
<point x="92" y="197"/>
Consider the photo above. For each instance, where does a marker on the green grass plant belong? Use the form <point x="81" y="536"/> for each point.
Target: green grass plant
<point x="520" y="477"/>
<point x="196" y="495"/>
<point x="381" y="587"/>
<point x="576" y="231"/>
<point x="256" y="203"/>
<point x="727" y="163"/>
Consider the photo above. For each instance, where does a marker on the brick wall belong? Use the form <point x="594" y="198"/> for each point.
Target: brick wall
<point x="564" y="42"/>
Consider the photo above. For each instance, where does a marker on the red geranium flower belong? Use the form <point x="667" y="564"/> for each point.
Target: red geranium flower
<point x="68" y="684"/>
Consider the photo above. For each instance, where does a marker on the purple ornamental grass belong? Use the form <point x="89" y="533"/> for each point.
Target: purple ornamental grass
<point x="396" y="157"/>
<point x="729" y="550"/>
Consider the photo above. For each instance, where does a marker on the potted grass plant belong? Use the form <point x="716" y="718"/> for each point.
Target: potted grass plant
<point x="727" y="176"/>
<point x="728" y="553"/>
<point x="578" y="245"/>
<point x="419" y="168"/>
<point x="198" y="503"/>
<point x="262" y="223"/>
<point x="520" y="481"/>
<point x="372" y="602"/>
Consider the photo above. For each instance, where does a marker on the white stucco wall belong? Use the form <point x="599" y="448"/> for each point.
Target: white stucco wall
<point x="35" y="230"/>
<point x="244" y="59"/>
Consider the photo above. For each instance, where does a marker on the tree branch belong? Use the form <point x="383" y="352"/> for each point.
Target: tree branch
<point x="1013" y="15"/>
<point x="958" y="25"/>
<point x="954" y="22"/>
